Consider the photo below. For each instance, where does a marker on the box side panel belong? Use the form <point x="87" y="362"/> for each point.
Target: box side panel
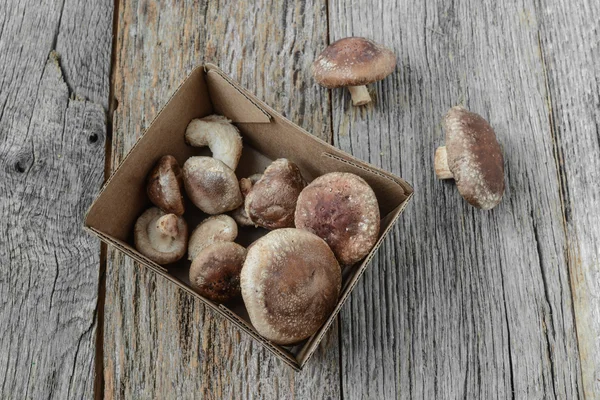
<point x="228" y="100"/>
<point x="123" y="197"/>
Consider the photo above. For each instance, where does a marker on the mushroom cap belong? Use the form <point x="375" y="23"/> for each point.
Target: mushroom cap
<point x="474" y="157"/>
<point x="211" y="185"/>
<point x="220" y="228"/>
<point x="215" y="272"/>
<point x="290" y="283"/>
<point x="342" y="209"/>
<point x="165" y="186"/>
<point x="353" y="61"/>
<point x="220" y="135"/>
<point x="272" y="200"/>
<point x="239" y="214"/>
<point x="161" y="237"/>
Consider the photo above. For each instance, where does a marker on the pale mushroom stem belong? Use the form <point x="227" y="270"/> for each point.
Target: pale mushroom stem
<point x="245" y="186"/>
<point x="360" y="95"/>
<point x="168" y="225"/>
<point x="440" y="164"/>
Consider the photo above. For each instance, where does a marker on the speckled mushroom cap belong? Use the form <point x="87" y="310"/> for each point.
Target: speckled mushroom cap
<point x="290" y="284"/>
<point x="215" y="272"/>
<point x="219" y="228"/>
<point x="353" y="61"/>
<point x="342" y="209"/>
<point x="474" y="158"/>
<point x="211" y="185"/>
<point x="165" y="186"/>
<point x="272" y="200"/>
<point x="161" y="237"/>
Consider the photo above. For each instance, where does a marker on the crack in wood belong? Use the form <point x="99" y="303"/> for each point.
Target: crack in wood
<point x="54" y="59"/>
<point x="548" y="304"/>
<point x="57" y="32"/>
<point x="55" y="279"/>
<point x="565" y="198"/>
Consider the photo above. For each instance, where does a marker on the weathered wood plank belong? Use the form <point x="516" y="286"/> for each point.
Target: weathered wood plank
<point x="460" y="303"/>
<point x="570" y="42"/>
<point x="52" y="134"/>
<point x="159" y="341"/>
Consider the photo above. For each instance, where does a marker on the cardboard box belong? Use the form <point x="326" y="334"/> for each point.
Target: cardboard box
<point x="267" y="135"/>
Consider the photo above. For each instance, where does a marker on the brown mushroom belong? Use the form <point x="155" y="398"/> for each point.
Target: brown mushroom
<point x="215" y="272"/>
<point x="220" y="135"/>
<point x="272" y="200"/>
<point x="472" y="157"/>
<point x="165" y="186"/>
<point x="211" y="185"/>
<point x="353" y="62"/>
<point x="342" y="209"/>
<point x="161" y="237"/>
<point x="220" y="228"/>
<point x="239" y="214"/>
<point x="290" y="284"/>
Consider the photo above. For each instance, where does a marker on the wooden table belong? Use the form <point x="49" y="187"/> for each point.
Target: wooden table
<point x="459" y="303"/>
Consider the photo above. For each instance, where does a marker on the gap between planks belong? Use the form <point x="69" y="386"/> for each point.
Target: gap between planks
<point x="112" y="106"/>
<point x="339" y="327"/>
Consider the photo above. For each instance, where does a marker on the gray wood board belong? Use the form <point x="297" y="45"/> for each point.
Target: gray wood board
<point x="159" y="342"/>
<point x="571" y="48"/>
<point x="52" y="134"/>
<point x="460" y="303"/>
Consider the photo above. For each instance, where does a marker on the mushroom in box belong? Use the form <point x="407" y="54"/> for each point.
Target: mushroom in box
<point x="219" y="228"/>
<point x="220" y="135"/>
<point x="165" y="186"/>
<point x="215" y="272"/>
<point x="161" y="237"/>
<point x="271" y="202"/>
<point x="211" y="185"/>
<point x="290" y="284"/>
<point x="342" y="209"/>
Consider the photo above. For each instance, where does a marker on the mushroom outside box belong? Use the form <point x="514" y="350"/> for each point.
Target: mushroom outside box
<point x="267" y="136"/>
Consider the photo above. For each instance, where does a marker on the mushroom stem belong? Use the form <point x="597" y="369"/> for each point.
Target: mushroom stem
<point x="167" y="225"/>
<point x="360" y="95"/>
<point x="440" y="164"/>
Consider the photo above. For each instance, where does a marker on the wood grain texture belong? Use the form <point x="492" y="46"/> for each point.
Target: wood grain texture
<point x="460" y="303"/>
<point x="160" y="342"/>
<point x="570" y="41"/>
<point x="52" y="134"/>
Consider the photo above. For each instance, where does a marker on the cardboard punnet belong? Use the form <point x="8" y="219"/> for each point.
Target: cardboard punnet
<point x="267" y="135"/>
